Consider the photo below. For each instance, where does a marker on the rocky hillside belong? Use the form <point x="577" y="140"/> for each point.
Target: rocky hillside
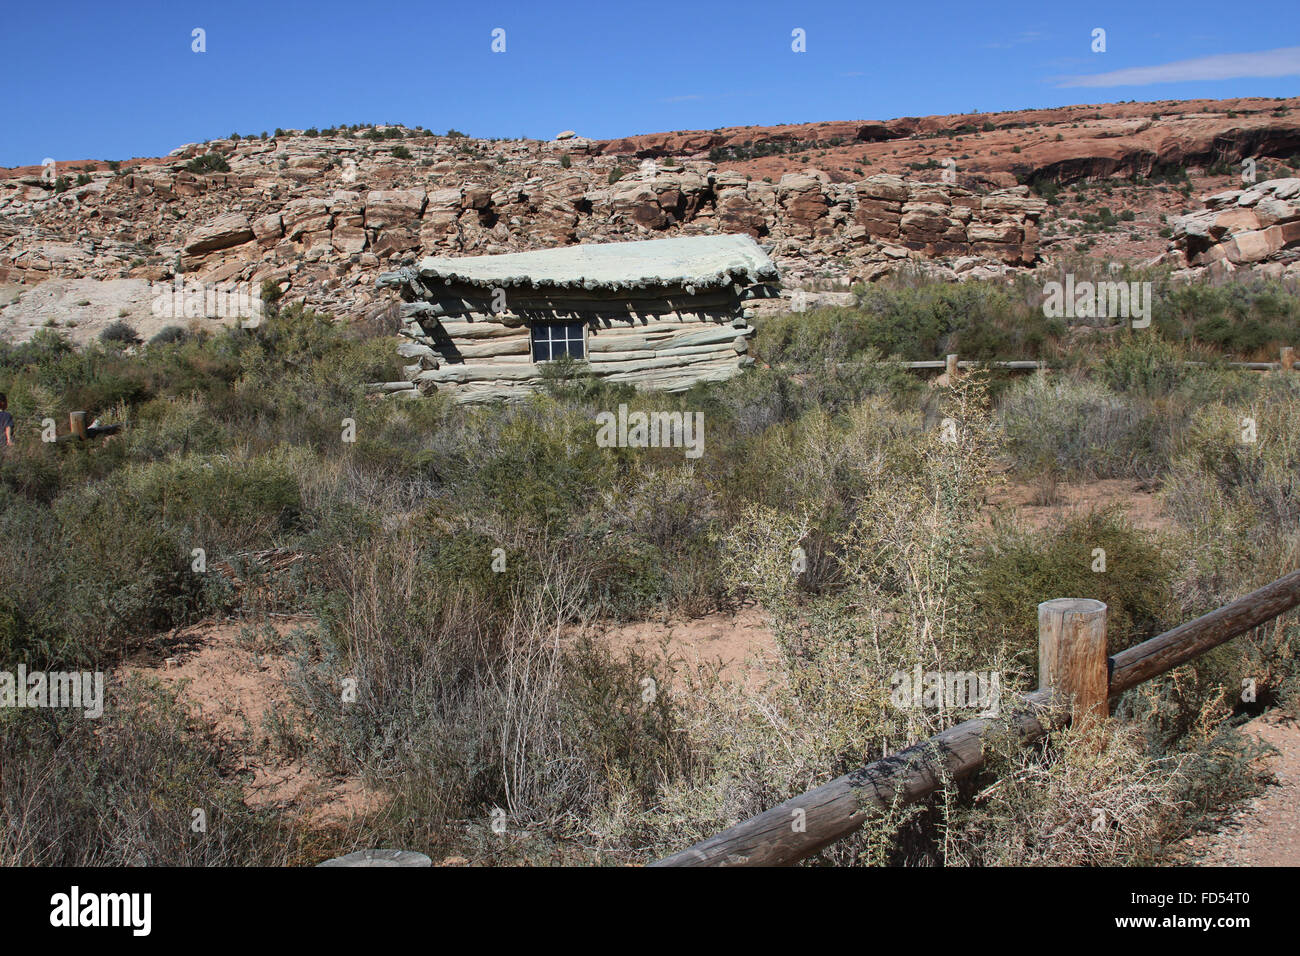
<point x="321" y="213"/>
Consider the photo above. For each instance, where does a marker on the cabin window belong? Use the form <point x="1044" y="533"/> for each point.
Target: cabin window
<point x="552" y="340"/>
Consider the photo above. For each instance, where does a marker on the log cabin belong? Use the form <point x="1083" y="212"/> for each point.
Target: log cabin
<point x="659" y="314"/>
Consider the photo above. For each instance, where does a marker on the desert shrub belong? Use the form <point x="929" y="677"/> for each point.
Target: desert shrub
<point x="162" y="428"/>
<point x="1248" y="317"/>
<point x="118" y="791"/>
<point x="544" y="462"/>
<point x="1235" y="500"/>
<point x="1246" y="457"/>
<point x="1079" y="428"/>
<point x="1147" y="366"/>
<point x="208" y="163"/>
<point x="1048" y="800"/>
<point x="214" y="502"/>
<point x="1019" y="570"/>
<point x="168" y="335"/>
<point x="463" y="704"/>
<point x="122" y="579"/>
<point x="904" y="589"/>
<point x="36" y="474"/>
<point x="119" y="332"/>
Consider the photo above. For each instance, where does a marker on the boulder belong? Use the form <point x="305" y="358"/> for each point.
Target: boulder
<point x="229" y="229"/>
<point x="395" y="207"/>
<point x="348" y="239"/>
<point x="302" y="216"/>
<point x="268" y="229"/>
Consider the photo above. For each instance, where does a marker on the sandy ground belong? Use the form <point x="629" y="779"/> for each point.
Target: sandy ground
<point x="1137" y="500"/>
<point x="228" y="681"/>
<point x="738" y="643"/>
<point x="1265" y="830"/>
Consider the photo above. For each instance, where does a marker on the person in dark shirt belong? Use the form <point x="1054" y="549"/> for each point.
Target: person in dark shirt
<point x="6" y="422"/>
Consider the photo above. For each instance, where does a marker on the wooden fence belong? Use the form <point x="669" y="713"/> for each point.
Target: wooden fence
<point x="1076" y="680"/>
<point x="952" y="363"/>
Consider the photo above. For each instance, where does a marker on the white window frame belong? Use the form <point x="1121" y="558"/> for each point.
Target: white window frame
<point x="566" y="333"/>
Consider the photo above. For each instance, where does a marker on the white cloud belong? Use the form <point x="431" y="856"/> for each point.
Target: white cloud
<point x="1284" y="61"/>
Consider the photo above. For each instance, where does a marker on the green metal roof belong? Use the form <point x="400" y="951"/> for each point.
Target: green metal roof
<point x="701" y="261"/>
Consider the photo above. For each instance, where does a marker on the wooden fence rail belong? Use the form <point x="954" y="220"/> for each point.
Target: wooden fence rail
<point x="1075" y="677"/>
<point x="952" y="363"/>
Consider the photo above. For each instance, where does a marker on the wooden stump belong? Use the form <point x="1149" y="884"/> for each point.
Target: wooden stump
<point x="77" y="424"/>
<point x="950" y="367"/>
<point x="380" y="858"/>
<point x="1288" y="358"/>
<point x="1072" y="656"/>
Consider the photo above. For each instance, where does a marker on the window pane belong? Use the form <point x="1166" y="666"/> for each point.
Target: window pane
<point x="551" y="340"/>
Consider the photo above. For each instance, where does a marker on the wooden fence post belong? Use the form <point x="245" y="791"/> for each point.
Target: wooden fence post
<point x="1288" y="358"/>
<point x="950" y="366"/>
<point x="1072" y="656"/>
<point x="77" y="423"/>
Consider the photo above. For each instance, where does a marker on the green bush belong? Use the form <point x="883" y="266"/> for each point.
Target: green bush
<point x="119" y="332"/>
<point x="169" y="335"/>
<point x="1081" y="429"/>
<point x="208" y="163"/>
<point x="119" y="791"/>
<point x="1144" y="366"/>
<point x="1019" y="570"/>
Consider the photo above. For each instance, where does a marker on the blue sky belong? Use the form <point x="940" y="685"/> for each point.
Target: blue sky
<point x="114" y="80"/>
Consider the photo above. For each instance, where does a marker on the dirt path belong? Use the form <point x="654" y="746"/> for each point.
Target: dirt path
<point x="235" y="678"/>
<point x="1265" y="830"/>
<point x="739" y="642"/>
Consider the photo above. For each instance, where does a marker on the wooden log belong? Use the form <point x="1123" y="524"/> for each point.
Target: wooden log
<point x="77" y="424"/>
<point x="481" y="372"/>
<point x="675" y="378"/>
<point x="709" y="336"/>
<point x="517" y="345"/>
<point x="413" y="350"/>
<point x="380" y="858"/>
<point x="480" y="392"/>
<point x="478" y="329"/>
<point x="448" y="302"/>
<point x="686" y="353"/>
<point x="1288" y="358"/>
<point x="1166" y="651"/>
<point x="674" y="322"/>
<point x="614" y="318"/>
<point x="1072" y="656"/>
<point x="802" y="825"/>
